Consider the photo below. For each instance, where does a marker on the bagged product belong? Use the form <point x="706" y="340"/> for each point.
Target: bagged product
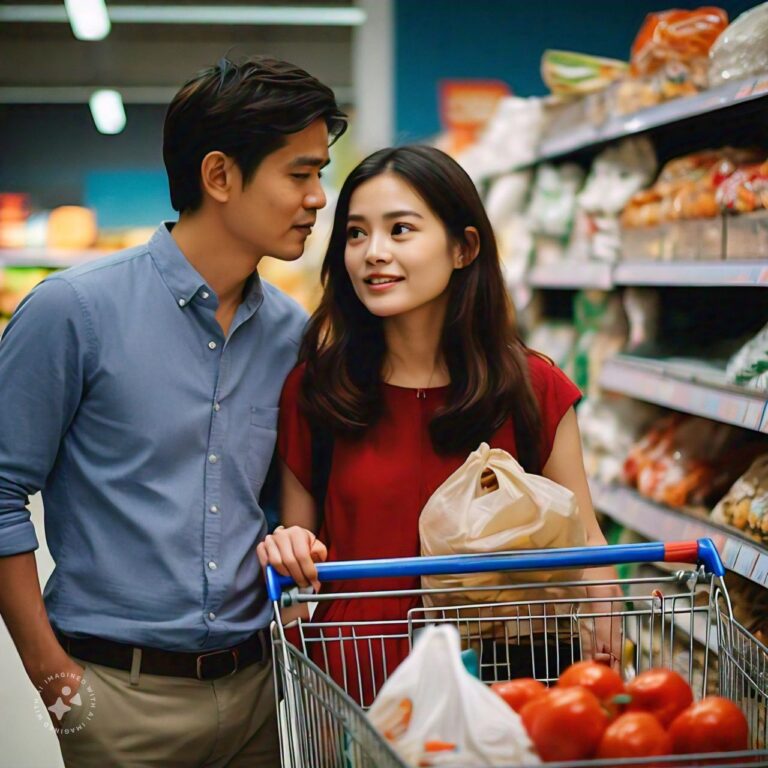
<point x="609" y="427"/>
<point x="617" y="173"/>
<point x="469" y="514"/>
<point x="699" y="186"/>
<point x="669" y="58"/>
<point x="553" y="199"/>
<point x="509" y="139"/>
<point x="567" y="73"/>
<point x="676" y="36"/>
<point x="749" y="366"/>
<point x="434" y="712"/>
<point x="601" y="328"/>
<point x="745" y="506"/>
<point x="649" y="448"/>
<point x="505" y="204"/>
<point x="688" y="461"/>
<point x="742" y="48"/>
<point x="745" y="190"/>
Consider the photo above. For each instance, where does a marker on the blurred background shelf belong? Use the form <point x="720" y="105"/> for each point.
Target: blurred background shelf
<point x="698" y="274"/>
<point x="683" y="387"/>
<point x="660" y="523"/>
<point x="707" y="103"/>
<point x="692" y="273"/>
<point x="47" y="258"/>
<point x="578" y="275"/>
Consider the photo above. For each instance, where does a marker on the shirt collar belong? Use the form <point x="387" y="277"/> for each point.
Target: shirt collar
<point x="253" y="293"/>
<point x="182" y="279"/>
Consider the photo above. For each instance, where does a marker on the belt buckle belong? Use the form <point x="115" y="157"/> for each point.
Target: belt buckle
<point x="202" y="656"/>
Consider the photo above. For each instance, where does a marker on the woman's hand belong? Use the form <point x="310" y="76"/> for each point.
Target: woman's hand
<point x="293" y="552"/>
<point x="604" y="642"/>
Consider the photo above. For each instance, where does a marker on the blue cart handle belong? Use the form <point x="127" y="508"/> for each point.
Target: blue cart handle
<point x="702" y="552"/>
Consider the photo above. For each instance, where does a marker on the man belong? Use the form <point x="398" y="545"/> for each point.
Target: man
<point x="139" y="393"/>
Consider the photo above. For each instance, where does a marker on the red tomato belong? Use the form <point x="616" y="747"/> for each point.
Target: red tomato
<point x="517" y="693"/>
<point x="601" y="680"/>
<point x="565" y="724"/>
<point x="634" y="734"/>
<point x="662" y="692"/>
<point x="712" y="725"/>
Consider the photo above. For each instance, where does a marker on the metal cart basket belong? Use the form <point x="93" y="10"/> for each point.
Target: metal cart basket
<point x="683" y="620"/>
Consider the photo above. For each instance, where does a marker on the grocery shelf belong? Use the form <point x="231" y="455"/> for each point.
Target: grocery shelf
<point x="660" y="523"/>
<point x="677" y="110"/>
<point x="595" y="274"/>
<point x="692" y="273"/>
<point x="47" y="257"/>
<point x="700" y="392"/>
<point x="579" y="274"/>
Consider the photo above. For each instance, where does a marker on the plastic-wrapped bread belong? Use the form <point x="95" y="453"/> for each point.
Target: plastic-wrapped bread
<point x="742" y="48"/>
<point x="745" y="506"/>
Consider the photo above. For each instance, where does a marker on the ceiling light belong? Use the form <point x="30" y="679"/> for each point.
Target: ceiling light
<point x="108" y="112"/>
<point x="89" y="19"/>
<point x="238" y="14"/>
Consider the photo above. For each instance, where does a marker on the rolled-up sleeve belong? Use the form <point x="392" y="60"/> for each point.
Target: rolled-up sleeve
<point x="44" y="355"/>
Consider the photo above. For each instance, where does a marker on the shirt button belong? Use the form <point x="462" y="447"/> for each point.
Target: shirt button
<point x="205" y="294"/>
<point x="212" y="616"/>
<point x="211" y="345"/>
<point x="182" y="302"/>
<point x="216" y="407"/>
<point x="212" y="566"/>
<point x="213" y="458"/>
<point x="214" y="509"/>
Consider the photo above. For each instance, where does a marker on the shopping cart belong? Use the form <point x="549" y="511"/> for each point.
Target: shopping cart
<point x="683" y="620"/>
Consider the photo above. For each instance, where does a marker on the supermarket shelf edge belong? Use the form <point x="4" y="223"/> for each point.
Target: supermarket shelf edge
<point x="593" y="274"/>
<point x="585" y="274"/>
<point x="46" y="258"/>
<point x="677" y="110"/>
<point x="692" y="273"/>
<point x="650" y="381"/>
<point x="660" y="523"/>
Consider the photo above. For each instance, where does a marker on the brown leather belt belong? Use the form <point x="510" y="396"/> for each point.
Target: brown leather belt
<point x="207" y="665"/>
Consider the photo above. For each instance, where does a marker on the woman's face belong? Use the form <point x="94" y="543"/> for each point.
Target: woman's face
<point x="398" y="253"/>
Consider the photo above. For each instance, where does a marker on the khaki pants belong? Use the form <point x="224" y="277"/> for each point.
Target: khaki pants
<point x="172" y="722"/>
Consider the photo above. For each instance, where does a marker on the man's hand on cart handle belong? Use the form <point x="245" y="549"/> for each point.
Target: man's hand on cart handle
<point x="293" y="552"/>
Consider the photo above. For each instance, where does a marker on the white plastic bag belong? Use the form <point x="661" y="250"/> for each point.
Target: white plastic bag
<point x="434" y="712"/>
<point x="525" y="512"/>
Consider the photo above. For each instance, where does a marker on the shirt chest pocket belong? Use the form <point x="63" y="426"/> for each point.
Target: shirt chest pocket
<point x="262" y="433"/>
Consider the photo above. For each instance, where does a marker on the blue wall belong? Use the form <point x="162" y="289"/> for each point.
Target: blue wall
<point x="504" y="40"/>
<point x="60" y="158"/>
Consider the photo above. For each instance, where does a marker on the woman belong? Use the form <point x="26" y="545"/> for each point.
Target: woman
<point x="409" y="363"/>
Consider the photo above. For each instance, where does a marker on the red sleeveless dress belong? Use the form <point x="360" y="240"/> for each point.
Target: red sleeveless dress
<point x="377" y="487"/>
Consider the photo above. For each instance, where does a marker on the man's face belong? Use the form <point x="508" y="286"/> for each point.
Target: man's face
<point x="274" y="213"/>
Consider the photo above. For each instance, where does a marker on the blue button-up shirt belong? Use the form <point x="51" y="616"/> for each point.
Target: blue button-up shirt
<point x="149" y="433"/>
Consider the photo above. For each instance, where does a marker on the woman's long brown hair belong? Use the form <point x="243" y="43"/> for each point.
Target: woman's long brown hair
<point x="344" y="346"/>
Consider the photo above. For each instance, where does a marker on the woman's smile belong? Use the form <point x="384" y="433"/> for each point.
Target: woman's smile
<point x="379" y="283"/>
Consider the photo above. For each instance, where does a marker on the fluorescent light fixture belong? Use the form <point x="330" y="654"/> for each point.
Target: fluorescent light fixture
<point x="239" y="14"/>
<point x="88" y="18"/>
<point x="275" y="15"/>
<point x="108" y="112"/>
